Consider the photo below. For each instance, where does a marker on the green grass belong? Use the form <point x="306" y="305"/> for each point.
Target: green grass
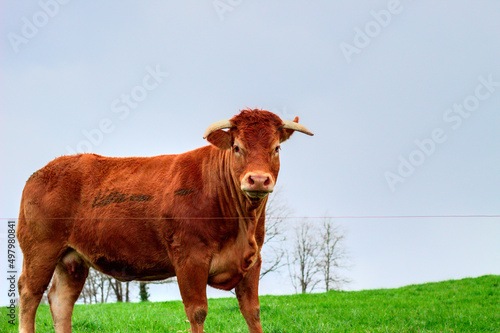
<point x="468" y="305"/>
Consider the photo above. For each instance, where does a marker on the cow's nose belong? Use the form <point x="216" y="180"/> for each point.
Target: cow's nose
<point x="259" y="181"/>
<point x="257" y="184"/>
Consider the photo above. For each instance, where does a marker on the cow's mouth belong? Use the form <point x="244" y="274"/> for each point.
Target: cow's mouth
<point x="257" y="195"/>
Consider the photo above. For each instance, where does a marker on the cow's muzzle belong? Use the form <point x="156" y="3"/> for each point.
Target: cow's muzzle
<point x="257" y="185"/>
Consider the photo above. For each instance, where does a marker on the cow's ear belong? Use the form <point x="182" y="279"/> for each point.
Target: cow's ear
<point x="221" y="139"/>
<point x="285" y="133"/>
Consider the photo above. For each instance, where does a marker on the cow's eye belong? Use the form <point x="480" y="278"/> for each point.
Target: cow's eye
<point x="236" y="149"/>
<point x="277" y="149"/>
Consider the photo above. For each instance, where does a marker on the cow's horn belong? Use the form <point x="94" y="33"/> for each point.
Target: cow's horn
<point x="226" y="123"/>
<point x="296" y="127"/>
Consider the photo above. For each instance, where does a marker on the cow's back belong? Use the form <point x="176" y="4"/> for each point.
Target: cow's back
<point x="74" y="189"/>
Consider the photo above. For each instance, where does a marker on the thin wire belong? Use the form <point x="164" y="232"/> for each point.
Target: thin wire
<point x="399" y="216"/>
<point x="273" y="217"/>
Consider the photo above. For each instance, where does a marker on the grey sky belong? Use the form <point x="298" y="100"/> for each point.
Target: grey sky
<point x="370" y="79"/>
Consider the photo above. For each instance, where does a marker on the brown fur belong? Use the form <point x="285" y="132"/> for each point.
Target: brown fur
<point x="148" y="219"/>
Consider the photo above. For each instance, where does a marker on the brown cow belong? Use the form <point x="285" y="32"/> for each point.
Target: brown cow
<point x="198" y="216"/>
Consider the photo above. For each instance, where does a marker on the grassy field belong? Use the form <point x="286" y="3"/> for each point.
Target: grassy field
<point x="468" y="305"/>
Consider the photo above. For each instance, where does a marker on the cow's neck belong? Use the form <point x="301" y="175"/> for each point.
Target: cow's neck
<point x="234" y="204"/>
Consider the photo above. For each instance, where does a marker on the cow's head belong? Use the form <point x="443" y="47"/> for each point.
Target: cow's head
<point x="253" y="142"/>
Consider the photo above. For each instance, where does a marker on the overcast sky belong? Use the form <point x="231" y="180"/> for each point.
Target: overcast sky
<point x="403" y="98"/>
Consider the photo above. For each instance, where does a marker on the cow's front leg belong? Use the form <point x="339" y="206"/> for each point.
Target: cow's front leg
<point x="247" y="292"/>
<point x="192" y="277"/>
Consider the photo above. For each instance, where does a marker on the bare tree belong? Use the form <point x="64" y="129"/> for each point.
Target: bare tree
<point x="96" y="288"/>
<point x="303" y="268"/>
<point x="332" y="255"/>
<point x="99" y="286"/>
<point x="120" y="289"/>
<point x="143" y="291"/>
<point x="89" y="291"/>
<point x="273" y="251"/>
<point x="127" y="291"/>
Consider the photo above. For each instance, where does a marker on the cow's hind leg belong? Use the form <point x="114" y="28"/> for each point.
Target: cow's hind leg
<point x="67" y="284"/>
<point x="38" y="269"/>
